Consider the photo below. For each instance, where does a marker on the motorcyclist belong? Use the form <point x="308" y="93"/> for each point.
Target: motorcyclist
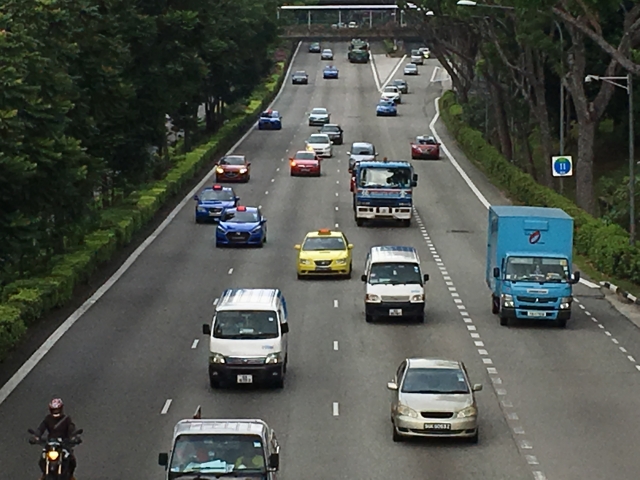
<point x="57" y="425"/>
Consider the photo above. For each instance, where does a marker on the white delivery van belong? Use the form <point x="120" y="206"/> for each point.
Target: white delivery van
<point x="394" y="284"/>
<point x="417" y="57"/>
<point x="248" y="338"/>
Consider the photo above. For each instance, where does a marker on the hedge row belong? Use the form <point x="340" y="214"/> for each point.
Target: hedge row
<point x="25" y="301"/>
<point x="606" y="246"/>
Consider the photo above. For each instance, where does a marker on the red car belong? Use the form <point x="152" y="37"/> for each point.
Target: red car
<point x="305" y="163"/>
<point x="233" y="168"/>
<point x="425" y="147"/>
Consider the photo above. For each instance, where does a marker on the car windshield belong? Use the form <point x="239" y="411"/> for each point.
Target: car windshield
<point x="427" y="141"/>
<point x="444" y="381"/>
<point x="394" y="177"/>
<point x="361" y="150"/>
<point x="314" y="244"/>
<point x="537" y="269"/>
<point x="217" y="453"/>
<point x="331" y="128"/>
<point x="232" y="160"/>
<point x="241" y="217"/>
<point x="305" y="156"/>
<point x="246" y="324"/>
<point x="395" y="274"/>
<point x="216" y="195"/>
<point x="319" y="111"/>
<point x="318" y="139"/>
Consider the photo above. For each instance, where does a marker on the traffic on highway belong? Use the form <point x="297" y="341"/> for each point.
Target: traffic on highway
<point x="389" y="325"/>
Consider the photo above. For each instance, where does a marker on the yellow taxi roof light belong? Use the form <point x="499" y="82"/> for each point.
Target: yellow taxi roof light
<point x="324" y="231"/>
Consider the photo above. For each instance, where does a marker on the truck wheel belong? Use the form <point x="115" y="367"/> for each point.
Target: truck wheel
<point x="368" y="318"/>
<point x="561" y="323"/>
<point x="359" y="222"/>
<point x="495" y="305"/>
<point x="504" y="321"/>
<point x="420" y="318"/>
<point x="406" y="223"/>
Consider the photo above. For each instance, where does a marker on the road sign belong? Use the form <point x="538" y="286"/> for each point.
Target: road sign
<point x="562" y="166"/>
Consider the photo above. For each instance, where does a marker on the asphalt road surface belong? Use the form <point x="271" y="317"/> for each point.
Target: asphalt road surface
<point x="562" y="403"/>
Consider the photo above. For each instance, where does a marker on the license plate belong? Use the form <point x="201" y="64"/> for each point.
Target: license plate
<point x="212" y="214"/>
<point x="395" y="312"/>
<point x="384" y="210"/>
<point x="437" y="426"/>
<point x="245" y="378"/>
<point x="322" y="268"/>
<point x="536" y="314"/>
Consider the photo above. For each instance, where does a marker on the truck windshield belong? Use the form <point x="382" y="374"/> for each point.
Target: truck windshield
<point x="217" y="453"/>
<point x="395" y="274"/>
<point x="246" y="324"/>
<point x="537" y="269"/>
<point x="392" y="177"/>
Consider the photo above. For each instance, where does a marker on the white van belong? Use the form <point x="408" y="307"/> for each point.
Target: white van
<point x="417" y="57"/>
<point x="248" y="338"/>
<point x="394" y="284"/>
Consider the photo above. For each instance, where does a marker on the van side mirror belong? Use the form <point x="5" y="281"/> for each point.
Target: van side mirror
<point x="284" y="327"/>
<point x="575" y="277"/>
<point x="163" y="459"/>
<point x="206" y="329"/>
<point x="363" y="277"/>
<point x="350" y="246"/>
<point x="348" y="153"/>
<point x="415" y="177"/>
<point x="376" y="154"/>
<point x="274" y="461"/>
<point x="392" y="386"/>
<point x="414" y="183"/>
<point x="237" y="199"/>
<point x="496" y="272"/>
<point x="425" y="277"/>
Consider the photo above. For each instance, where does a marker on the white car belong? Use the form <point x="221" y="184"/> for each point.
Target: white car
<point x="392" y="93"/>
<point x="319" y="117"/>
<point x="353" y="25"/>
<point x="326" y="54"/>
<point x="417" y="57"/>
<point x="321" y="144"/>
<point x="426" y="53"/>
<point x="410" y="69"/>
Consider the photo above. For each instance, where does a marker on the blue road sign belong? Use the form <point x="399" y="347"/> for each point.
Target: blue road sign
<point x="562" y="166"/>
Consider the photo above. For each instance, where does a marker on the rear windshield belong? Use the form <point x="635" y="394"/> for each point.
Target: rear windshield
<point x="305" y="156"/>
<point x="361" y="151"/>
<point x="241" y="217"/>
<point x="318" y="139"/>
<point x="213" y="195"/>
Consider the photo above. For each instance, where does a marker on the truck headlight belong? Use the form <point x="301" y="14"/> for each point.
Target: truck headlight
<point x="216" y="358"/>
<point x="407" y="411"/>
<point x="273" y="358"/>
<point x="467" y="412"/>
<point x="507" y="300"/>
<point x="417" y="298"/>
<point x="565" y="303"/>
<point x="371" y="298"/>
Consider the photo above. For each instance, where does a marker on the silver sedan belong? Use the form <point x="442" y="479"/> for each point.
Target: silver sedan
<point x="433" y="398"/>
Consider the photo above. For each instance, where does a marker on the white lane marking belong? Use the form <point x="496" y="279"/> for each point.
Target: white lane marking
<point x="433" y="75"/>
<point x="375" y="73"/>
<point x="615" y="341"/>
<point x="336" y="409"/>
<point x="518" y="430"/>
<point x="513" y="416"/>
<point x="539" y="476"/>
<point x="273" y="180"/>
<point x="623" y="350"/>
<point x="492" y="370"/>
<point x="393" y="72"/>
<point x="336" y="225"/>
<point x="482" y="352"/>
<point x="582" y="306"/>
<point x="215" y="302"/>
<point x="337" y="194"/>
<point x="166" y="407"/>
<point x="336" y="209"/>
<point x="267" y="192"/>
<point x="631" y="359"/>
<point x="466" y="178"/>
<point x="39" y="354"/>
<point x="260" y="206"/>
<point x="230" y="271"/>
<point x="531" y="459"/>
<point x="588" y="313"/>
<point x="194" y="345"/>
<point x="335" y="345"/>
<point x="335" y="304"/>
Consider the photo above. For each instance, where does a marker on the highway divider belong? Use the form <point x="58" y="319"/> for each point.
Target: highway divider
<point x="605" y="246"/>
<point x="25" y="301"/>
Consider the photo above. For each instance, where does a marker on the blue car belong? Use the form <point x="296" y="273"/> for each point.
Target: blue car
<point x="330" y="72"/>
<point x="242" y="226"/>
<point x="386" y="108"/>
<point x="270" y="120"/>
<point x="212" y="202"/>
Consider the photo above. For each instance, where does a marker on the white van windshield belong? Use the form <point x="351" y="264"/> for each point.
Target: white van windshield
<point x="246" y="324"/>
<point x="395" y="274"/>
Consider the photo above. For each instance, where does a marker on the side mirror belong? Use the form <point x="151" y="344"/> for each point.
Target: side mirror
<point x="297" y="247"/>
<point x="163" y="459"/>
<point x="350" y="246"/>
<point x="31" y="431"/>
<point x="249" y="164"/>
<point x="237" y="199"/>
<point x="206" y="329"/>
<point x="348" y="153"/>
<point x="376" y="154"/>
<point x="363" y="277"/>
<point x="274" y="461"/>
<point x="264" y="220"/>
<point x="414" y="183"/>
<point x="196" y="198"/>
<point x="415" y="177"/>
<point x="78" y="432"/>
<point x="291" y="159"/>
<point x="496" y="272"/>
<point x="425" y="277"/>
<point x="392" y="386"/>
<point x="284" y="327"/>
<point x="477" y="387"/>
<point x="576" y="277"/>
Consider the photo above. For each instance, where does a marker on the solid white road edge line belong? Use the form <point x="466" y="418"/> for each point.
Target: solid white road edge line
<point x="165" y="409"/>
<point x="466" y="178"/>
<point x="39" y="354"/>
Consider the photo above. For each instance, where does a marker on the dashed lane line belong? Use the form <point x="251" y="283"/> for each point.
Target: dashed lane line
<point x="230" y="271"/>
<point x="195" y="343"/>
<point x="496" y="381"/>
<point x="335" y="345"/>
<point x="335" y="304"/>
<point x="166" y="407"/>
<point x="215" y="301"/>
<point x="336" y="409"/>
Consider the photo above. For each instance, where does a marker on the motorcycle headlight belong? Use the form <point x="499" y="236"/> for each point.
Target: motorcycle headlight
<point x="273" y="358"/>
<point x="202" y="209"/>
<point x="216" y="358"/>
<point x="407" y="411"/>
<point x="467" y="412"/>
<point x="507" y="300"/>
<point x="565" y="303"/>
<point x="371" y="298"/>
<point x="53" y="455"/>
<point x="418" y="298"/>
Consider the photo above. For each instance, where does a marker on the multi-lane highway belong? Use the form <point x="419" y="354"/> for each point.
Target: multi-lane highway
<point x="562" y="403"/>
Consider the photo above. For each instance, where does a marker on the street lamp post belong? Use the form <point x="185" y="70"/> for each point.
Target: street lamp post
<point x="632" y="180"/>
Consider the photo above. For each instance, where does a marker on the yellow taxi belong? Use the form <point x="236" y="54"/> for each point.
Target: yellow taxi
<point x="324" y="252"/>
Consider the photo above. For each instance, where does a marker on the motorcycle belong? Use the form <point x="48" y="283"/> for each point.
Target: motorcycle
<point x="56" y="453"/>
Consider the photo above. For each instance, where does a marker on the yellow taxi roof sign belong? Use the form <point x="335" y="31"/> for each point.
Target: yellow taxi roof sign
<point x="324" y="231"/>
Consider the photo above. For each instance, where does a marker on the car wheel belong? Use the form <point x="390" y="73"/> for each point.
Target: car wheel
<point x="264" y="240"/>
<point x="396" y="436"/>
<point x="359" y="222"/>
<point x="218" y="245"/>
<point x="495" y="305"/>
<point x="300" y="277"/>
<point x="475" y="438"/>
<point x="368" y="318"/>
<point x="214" y="383"/>
<point x="279" y="383"/>
<point x="561" y="323"/>
<point x="406" y="223"/>
<point x="350" y="271"/>
<point x="420" y="318"/>
<point x="261" y="244"/>
<point x="198" y="220"/>
<point x="413" y="157"/>
<point x="504" y="321"/>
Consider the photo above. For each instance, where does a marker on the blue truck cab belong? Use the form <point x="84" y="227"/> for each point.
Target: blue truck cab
<point x="529" y="261"/>
<point x="383" y="191"/>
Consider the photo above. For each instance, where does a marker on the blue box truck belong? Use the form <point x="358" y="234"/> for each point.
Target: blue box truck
<point x="529" y="262"/>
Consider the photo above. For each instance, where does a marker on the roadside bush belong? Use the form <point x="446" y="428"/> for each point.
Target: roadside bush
<point x="25" y="301"/>
<point x="605" y="245"/>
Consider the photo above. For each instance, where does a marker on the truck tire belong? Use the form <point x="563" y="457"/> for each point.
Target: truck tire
<point x="359" y="222"/>
<point x="368" y="318"/>
<point x="420" y="318"/>
<point x="406" y="223"/>
<point x="495" y="305"/>
<point x="561" y="323"/>
<point x="504" y="321"/>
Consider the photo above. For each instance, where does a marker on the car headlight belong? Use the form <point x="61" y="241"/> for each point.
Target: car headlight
<point x="507" y="300"/>
<point x="243" y="170"/>
<point x="372" y="298"/>
<point x="216" y="358"/>
<point x="273" y="358"/>
<point x="305" y="262"/>
<point x="407" y="411"/>
<point x="418" y="298"/>
<point x="219" y="170"/>
<point x="202" y="209"/>
<point x="257" y="229"/>
<point x="220" y="228"/>
<point x="467" y="412"/>
<point x="565" y="303"/>
<point x="341" y="261"/>
<point x="53" y="455"/>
